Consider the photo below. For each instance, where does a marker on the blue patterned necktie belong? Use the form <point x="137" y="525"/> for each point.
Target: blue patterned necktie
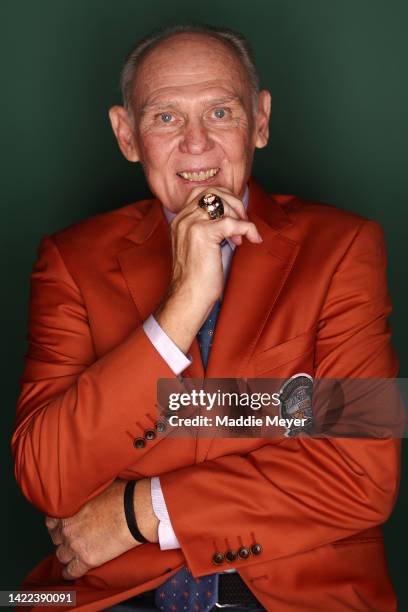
<point x="182" y="591"/>
<point x="206" y="333"/>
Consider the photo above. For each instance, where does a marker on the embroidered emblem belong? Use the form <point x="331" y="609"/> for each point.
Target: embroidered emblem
<point x="296" y="403"/>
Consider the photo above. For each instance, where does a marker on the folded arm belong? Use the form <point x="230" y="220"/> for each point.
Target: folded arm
<point x="78" y="415"/>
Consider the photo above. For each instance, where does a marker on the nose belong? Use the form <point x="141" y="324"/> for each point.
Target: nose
<point x="195" y="139"/>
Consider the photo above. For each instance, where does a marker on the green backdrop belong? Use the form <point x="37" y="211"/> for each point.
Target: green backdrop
<point x="337" y="72"/>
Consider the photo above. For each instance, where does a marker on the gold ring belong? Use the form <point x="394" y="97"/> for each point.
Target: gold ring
<point x="213" y="205"/>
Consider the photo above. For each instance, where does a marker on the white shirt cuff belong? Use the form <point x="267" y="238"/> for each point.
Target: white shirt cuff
<point x="167" y="537"/>
<point x="172" y="355"/>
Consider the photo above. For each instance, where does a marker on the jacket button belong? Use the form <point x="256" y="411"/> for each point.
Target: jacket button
<point x="218" y="558"/>
<point x="256" y="549"/>
<point x="244" y="552"/>
<point x="160" y="426"/>
<point x="150" y="434"/>
<point x="230" y="556"/>
<point x="139" y="443"/>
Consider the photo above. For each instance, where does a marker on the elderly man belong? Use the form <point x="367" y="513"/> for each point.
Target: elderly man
<point x="131" y="296"/>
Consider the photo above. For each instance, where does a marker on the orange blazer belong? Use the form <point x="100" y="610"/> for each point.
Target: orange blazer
<point x="311" y="298"/>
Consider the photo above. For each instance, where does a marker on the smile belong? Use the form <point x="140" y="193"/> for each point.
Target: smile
<point x="201" y="175"/>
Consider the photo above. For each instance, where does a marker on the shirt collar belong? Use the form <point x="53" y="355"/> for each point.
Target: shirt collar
<point x="170" y="215"/>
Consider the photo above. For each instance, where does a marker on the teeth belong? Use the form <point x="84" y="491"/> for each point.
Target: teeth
<point x="199" y="176"/>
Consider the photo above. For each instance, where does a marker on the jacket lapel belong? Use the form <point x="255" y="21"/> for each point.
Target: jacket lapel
<point x="257" y="275"/>
<point x="146" y="266"/>
<point x="146" y="263"/>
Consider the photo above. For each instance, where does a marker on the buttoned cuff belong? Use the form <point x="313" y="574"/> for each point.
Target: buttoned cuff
<point x="167" y="537"/>
<point x="172" y="355"/>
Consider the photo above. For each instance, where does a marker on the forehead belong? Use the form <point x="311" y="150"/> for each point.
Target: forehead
<point x="187" y="65"/>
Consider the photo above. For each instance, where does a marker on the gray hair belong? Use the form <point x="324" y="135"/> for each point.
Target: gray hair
<point x="234" y="40"/>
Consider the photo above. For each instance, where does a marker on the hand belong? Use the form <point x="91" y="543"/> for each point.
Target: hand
<point x="197" y="264"/>
<point x="99" y="532"/>
<point x="197" y="278"/>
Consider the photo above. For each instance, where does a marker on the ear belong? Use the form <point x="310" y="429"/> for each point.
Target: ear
<point x="262" y="119"/>
<point x="123" y="130"/>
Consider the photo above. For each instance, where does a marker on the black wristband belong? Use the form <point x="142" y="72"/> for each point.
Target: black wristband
<point x="130" y="512"/>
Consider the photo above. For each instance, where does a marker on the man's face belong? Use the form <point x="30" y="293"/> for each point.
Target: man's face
<point x="193" y="119"/>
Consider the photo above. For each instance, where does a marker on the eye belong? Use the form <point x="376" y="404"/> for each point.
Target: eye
<point x="166" y="117"/>
<point x="220" y="113"/>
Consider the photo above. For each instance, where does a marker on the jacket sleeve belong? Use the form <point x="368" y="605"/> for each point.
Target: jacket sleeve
<point x="78" y="416"/>
<point x="301" y="493"/>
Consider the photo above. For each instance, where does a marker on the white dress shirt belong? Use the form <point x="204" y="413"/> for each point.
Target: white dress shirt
<point x="177" y="361"/>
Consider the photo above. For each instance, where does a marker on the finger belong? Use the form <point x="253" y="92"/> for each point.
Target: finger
<point x="56" y="535"/>
<point x="236" y="240"/>
<point x="230" y="201"/>
<point x="183" y="223"/>
<point x="228" y="227"/>
<point x="51" y="522"/>
<point x="195" y="212"/>
<point x="74" y="569"/>
<point x="227" y="197"/>
<point x="64" y="554"/>
<point x="233" y="201"/>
